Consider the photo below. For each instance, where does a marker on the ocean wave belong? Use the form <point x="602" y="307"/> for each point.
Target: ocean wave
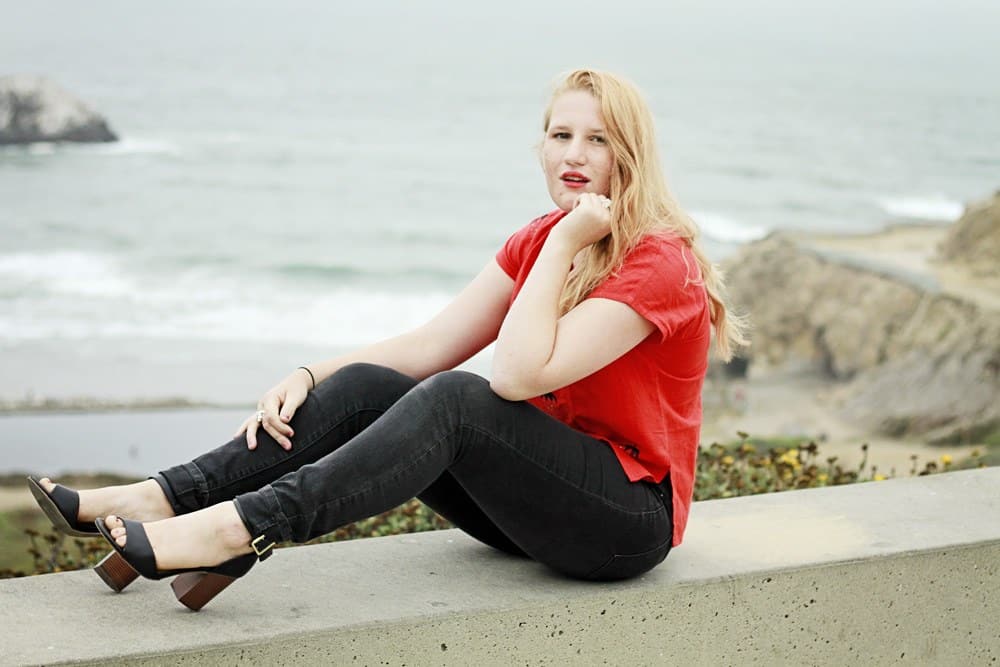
<point x="936" y="208"/>
<point x="337" y="271"/>
<point x="137" y="146"/>
<point x="344" y="317"/>
<point x="724" y="229"/>
<point x="125" y="146"/>
<point x="64" y="271"/>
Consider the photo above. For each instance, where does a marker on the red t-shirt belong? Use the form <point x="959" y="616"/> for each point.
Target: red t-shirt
<point x="647" y="403"/>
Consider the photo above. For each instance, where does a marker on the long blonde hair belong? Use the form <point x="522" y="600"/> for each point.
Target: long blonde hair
<point x="642" y="204"/>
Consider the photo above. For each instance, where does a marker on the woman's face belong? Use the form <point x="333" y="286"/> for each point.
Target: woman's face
<point x="576" y="157"/>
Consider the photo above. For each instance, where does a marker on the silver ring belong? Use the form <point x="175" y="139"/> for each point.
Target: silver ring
<point x="259" y="416"/>
<point x="607" y="204"/>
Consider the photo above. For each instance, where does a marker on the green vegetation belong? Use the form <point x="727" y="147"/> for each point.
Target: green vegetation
<point x="29" y="545"/>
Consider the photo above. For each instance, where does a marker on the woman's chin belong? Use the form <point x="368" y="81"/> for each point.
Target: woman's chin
<point x="566" y="201"/>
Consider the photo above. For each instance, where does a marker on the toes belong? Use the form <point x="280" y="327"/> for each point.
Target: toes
<point x="46" y="484"/>
<point x="117" y="528"/>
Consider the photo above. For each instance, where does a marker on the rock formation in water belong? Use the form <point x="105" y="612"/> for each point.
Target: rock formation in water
<point x="33" y="109"/>
<point x="912" y="357"/>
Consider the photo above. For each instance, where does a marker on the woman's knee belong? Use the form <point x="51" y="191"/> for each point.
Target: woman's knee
<point x="366" y="378"/>
<point x="467" y="388"/>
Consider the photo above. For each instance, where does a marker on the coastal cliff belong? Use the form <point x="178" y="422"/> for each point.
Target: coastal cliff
<point x="908" y="333"/>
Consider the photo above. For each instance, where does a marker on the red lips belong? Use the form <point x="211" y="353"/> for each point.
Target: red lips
<point x="574" y="179"/>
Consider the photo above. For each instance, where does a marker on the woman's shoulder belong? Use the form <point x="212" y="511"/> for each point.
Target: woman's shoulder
<point x="664" y="250"/>
<point x="543" y="223"/>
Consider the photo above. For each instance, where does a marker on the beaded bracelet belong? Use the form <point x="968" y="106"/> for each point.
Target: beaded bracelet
<point x="311" y="376"/>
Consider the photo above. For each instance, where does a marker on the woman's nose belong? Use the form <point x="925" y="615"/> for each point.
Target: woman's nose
<point x="576" y="153"/>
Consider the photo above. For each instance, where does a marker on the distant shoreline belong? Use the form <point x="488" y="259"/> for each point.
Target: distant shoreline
<point x="31" y="406"/>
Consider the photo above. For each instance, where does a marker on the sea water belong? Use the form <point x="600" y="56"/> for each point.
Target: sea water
<point x="297" y="179"/>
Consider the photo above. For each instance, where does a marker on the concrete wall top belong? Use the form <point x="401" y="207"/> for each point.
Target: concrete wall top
<point x="353" y="585"/>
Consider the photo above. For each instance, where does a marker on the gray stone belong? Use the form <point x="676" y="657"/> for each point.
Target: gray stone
<point x="35" y="109"/>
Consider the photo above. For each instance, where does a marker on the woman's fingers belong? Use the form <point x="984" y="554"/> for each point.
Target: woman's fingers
<point x="252" y="433"/>
<point x="274" y="412"/>
<point x="280" y="431"/>
<point x="293" y="399"/>
<point x="273" y="426"/>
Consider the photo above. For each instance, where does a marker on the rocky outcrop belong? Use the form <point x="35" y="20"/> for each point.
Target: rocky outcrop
<point x="33" y="109"/>
<point x="974" y="240"/>
<point x="910" y="360"/>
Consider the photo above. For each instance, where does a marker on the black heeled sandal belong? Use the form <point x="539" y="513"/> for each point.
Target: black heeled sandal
<point x="61" y="507"/>
<point x="194" y="587"/>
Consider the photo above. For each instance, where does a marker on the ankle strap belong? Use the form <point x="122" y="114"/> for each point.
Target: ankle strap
<point x="263" y="546"/>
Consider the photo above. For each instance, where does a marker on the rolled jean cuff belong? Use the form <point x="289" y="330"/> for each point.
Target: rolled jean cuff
<point x="263" y="517"/>
<point x="184" y="486"/>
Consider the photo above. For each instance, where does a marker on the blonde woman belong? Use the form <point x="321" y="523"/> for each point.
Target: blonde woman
<point x="579" y="453"/>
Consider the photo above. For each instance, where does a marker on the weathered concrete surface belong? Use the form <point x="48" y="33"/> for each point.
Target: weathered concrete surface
<point x="904" y="571"/>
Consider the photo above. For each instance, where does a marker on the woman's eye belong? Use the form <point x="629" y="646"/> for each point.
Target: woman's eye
<point x="597" y="139"/>
<point x="560" y="135"/>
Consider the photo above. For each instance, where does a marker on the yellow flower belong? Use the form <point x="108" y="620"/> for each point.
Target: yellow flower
<point x="728" y="460"/>
<point x="879" y="477"/>
<point x="747" y="448"/>
<point x="822" y="477"/>
<point x="791" y="457"/>
<point x="946" y="459"/>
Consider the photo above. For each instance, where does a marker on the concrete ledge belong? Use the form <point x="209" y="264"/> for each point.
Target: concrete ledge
<point x="904" y="571"/>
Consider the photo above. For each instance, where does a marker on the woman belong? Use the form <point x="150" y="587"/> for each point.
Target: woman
<point x="579" y="453"/>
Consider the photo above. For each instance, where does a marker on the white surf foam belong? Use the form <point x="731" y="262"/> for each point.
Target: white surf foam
<point x="137" y="146"/>
<point x="68" y="295"/>
<point x="936" y="208"/>
<point x="68" y="272"/>
<point x="725" y="229"/>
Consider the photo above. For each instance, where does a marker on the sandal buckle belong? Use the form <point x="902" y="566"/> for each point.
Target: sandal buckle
<point x="261" y="551"/>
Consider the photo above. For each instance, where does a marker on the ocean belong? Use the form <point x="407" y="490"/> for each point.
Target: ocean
<point x="297" y="179"/>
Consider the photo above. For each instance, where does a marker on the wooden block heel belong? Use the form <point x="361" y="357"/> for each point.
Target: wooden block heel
<point x="115" y="571"/>
<point x="196" y="589"/>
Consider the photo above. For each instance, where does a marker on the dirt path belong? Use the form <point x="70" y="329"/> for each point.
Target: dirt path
<point x="910" y="251"/>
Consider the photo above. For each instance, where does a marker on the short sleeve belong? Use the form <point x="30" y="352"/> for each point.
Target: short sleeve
<point x="661" y="281"/>
<point x="512" y="255"/>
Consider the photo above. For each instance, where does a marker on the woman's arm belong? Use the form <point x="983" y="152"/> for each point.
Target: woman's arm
<point x="464" y="327"/>
<point x="538" y="351"/>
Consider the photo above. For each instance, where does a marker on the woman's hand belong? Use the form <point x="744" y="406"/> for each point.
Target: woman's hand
<point x="587" y="223"/>
<point x="275" y="410"/>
